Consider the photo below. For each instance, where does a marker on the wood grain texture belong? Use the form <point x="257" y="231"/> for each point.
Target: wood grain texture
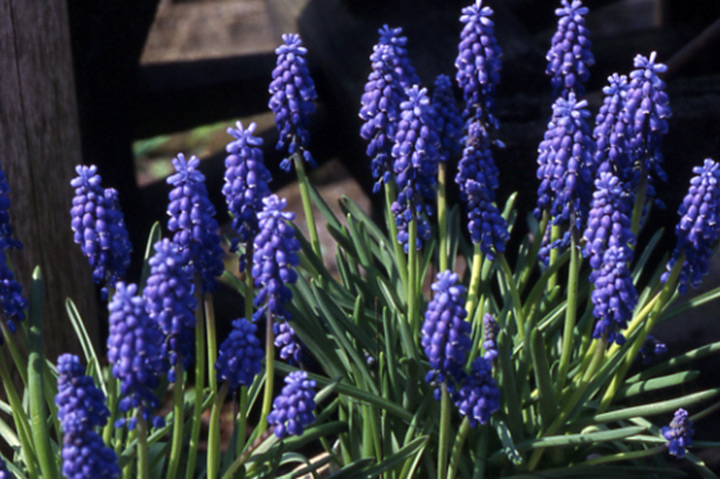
<point x="39" y="146"/>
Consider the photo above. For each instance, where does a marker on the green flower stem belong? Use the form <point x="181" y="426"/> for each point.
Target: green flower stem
<point x="458" y="448"/>
<point x="475" y="277"/>
<point x="18" y="359"/>
<point x="213" y="452"/>
<point x="304" y="186"/>
<point x="442" y="217"/>
<point x="444" y="439"/>
<point x="392" y="229"/>
<point x="211" y="341"/>
<point x="112" y="404"/>
<point x="129" y="469"/>
<point x="412" y="275"/>
<point x="241" y="423"/>
<point x="570" y="315"/>
<point x="143" y="462"/>
<point x="639" y="202"/>
<point x="517" y="304"/>
<point x="269" y="373"/>
<point x="481" y="455"/>
<point x="554" y="253"/>
<point x="20" y="418"/>
<point x="199" y="390"/>
<point x="178" y="420"/>
<point x="625" y="456"/>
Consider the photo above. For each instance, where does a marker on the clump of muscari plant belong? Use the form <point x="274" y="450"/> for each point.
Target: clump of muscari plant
<point x="539" y="364"/>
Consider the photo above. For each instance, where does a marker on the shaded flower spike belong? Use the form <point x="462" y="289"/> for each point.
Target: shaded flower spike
<point x="240" y="355"/>
<point x="380" y="103"/>
<point x="611" y="130"/>
<point x="699" y="226"/>
<point x="569" y="56"/>
<point x="448" y="122"/>
<point x="293" y="408"/>
<point x="292" y="94"/>
<point x="490" y="333"/>
<point x="192" y="220"/>
<point x="478" y="63"/>
<point x="12" y="300"/>
<point x="416" y="161"/>
<point x="99" y="227"/>
<point x="246" y="180"/>
<point x="479" y="396"/>
<point x="135" y="350"/>
<point x="6" y="239"/>
<point x="4" y="473"/>
<point x="679" y="433"/>
<point x="171" y="303"/>
<point x="445" y="333"/>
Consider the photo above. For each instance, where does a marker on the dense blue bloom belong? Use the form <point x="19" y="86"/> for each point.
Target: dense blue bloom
<point x="12" y="300"/>
<point x="85" y="456"/>
<point x="293" y="408"/>
<point x="380" y="103"/>
<point x="192" y="219"/>
<point x="287" y="342"/>
<point x="569" y="56"/>
<point x="479" y="396"/>
<point x="171" y="303"/>
<point x="240" y="355"/>
<point x="292" y="94"/>
<point x="246" y="180"/>
<point x="416" y="161"/>
<point x="448" y="122"/>
<point x="99" y="226"/>
<point x="611" y="130"/>
<point x="445" y="333"/>
<point x="135" y="350"/>
<point x="4" y="473"/>
<point x="6" y="239"/>
<point x="81" y="405"/>
<point x="614" y="296"/>
<point x="490" y="333"/>
<point x="679" y="433"/>
<point x="699" y="226"/>
<point x="274" y="258"/>
<point x="651" y="350"/>
<point x="478" y="63"/>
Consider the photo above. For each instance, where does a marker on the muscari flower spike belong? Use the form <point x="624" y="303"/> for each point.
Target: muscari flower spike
<point x="384" y="90"/>
<point x="292" y="93"/>
<point x="192" y="220"/>
<point x="479" y="396"/>
<point x="679" y="433"/>
<point x="611" y="130"/>
<point x="490" y="334"/>
<point x="171" y="303"/>
<point x="445" y="333"/>
<point x="478" y="63"/>
<point x="293" y="408"/>
<point x="699" y="226"/>
<point x="569" y="56"/>
<point x="99" y="227"/>
<point x="240" y="355"/>
<point x="6" y="239"/>
<point x="286" y="341"/>
<point x="448" y="122"/>
<point x="416" y="161"/>
<point x="12" y="300"/>
<point x="136" y="352"/>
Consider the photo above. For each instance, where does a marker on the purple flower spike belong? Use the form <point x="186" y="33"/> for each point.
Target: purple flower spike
<point x="448" y="122"/>
<point x="12" y="300"/>
<point x="292" y="93"/>
<point x="611" y="130"/>
<point x="287" y="342"/>
<point x="192" y="219"/>
<point x="240" y="355"/>
<point x="479" y="396"/>
<point x="569" y="56"/>
<point x="679" y="433"/>
<point x="293" y="408"/>
<point x="490" y="333"/>
<point x="614" y="296"/>
<point x="699" y="226"/>
<point x="6" y="239"/>
<point x="478" y="63"/>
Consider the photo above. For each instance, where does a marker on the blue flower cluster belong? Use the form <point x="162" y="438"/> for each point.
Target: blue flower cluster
<point x="192" y="219"/>
<point x="171" y="303"/>
<point x="448" y="122"/>
<point x="569" y="56"/>
<point x="136" y="352"/>
<point x="610" y="133"/>
<point x="416" y="161"/>
<point x="292" y="94"/>
<point x="679" y="433"/>
<point x="699" y="226"/>
<point x="490" y="333"/>
<point x="12" y="300"/>
<point x="614" y="296"/>
<point x="6" y="239"/>
<point x="286" y="341"/>
<point x="652" y="350"/>
<point x="99" y="226"/>
<point x="4" y="473"/>
<point x="478" y="63"/>
<point x="479" y="396"/>
<point x="293" y="408"/>
<point x="240" y="355"/>
<point x="81" y="409"/>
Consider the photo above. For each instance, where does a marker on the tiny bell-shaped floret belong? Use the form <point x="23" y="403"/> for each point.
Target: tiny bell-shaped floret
<point x="240" y="355"/>
<point x="479" y="396"/>
<point x="293" y="408"/>
<point x="569" y="57"/>
<point x="287" y="342"/>
<point x="679" y="433"/>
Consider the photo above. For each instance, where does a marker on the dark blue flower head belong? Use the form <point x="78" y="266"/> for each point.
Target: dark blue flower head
<point x="699" y="226"/>
<point x="651" y="350"/>
<point x="679" y="433"/>
<point x="293" y="408"/>
<point x="135" y="350"/>
<point x="448" y="122"/>
<point x="611" y="130"/>
<point x="614" y="296"/>
<point x="479" y="396"/>
<point x="445" y="333"/>
<point x="192" y="219"/>
<point x="240" y="355"/>
<point x="99" y="226"/>
<point x="397" y="43"/>
<point x="287" y="342"/>
<point x="4" y="473"/>
<point x="246" y="180"/>
<point x="85" y="456"/>
<point x="490" y="334"/>
<point x="416" y="161"/>
<point x="12" y="300"/>
<point x="478" y="63"/>
<point x="275" y="258"/>
<point x="171" y="303"/>
<point x="292" y="93"/>
<point x="569" y="56"/>
<point x="6" y="238"/>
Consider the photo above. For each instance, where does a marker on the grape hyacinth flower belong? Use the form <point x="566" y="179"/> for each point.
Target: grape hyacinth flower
<point x="192" y="220"/>
<point x="478" y="63"/>
<point x="569" y="56"/>
<point x="171" y="303"/>
<point x="240" y="355"/>
<point x="479" y="395"/>
<point x="611" y="130"/>
<point x="490" y="334"/>
<point x="4" y="473"/>
<point x="286" y="341"/>
<point x="614" y="296"/>
<point x="12" y="300"/>
<point x="293" y="408"/>
<point x="679" y="433"/>
<point x="292" y="93"/>
<point x="416" y="161"/>
<point x="86" y="456"/>
<point x="445" y="333"/>
<point x="651" y="350"/>
<point x="699" y="226"/>
<point x="99" y="227"/>
<point x="136" y="352"/>
<point x="6" y="239"/>
<point x="448" y="122"/>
